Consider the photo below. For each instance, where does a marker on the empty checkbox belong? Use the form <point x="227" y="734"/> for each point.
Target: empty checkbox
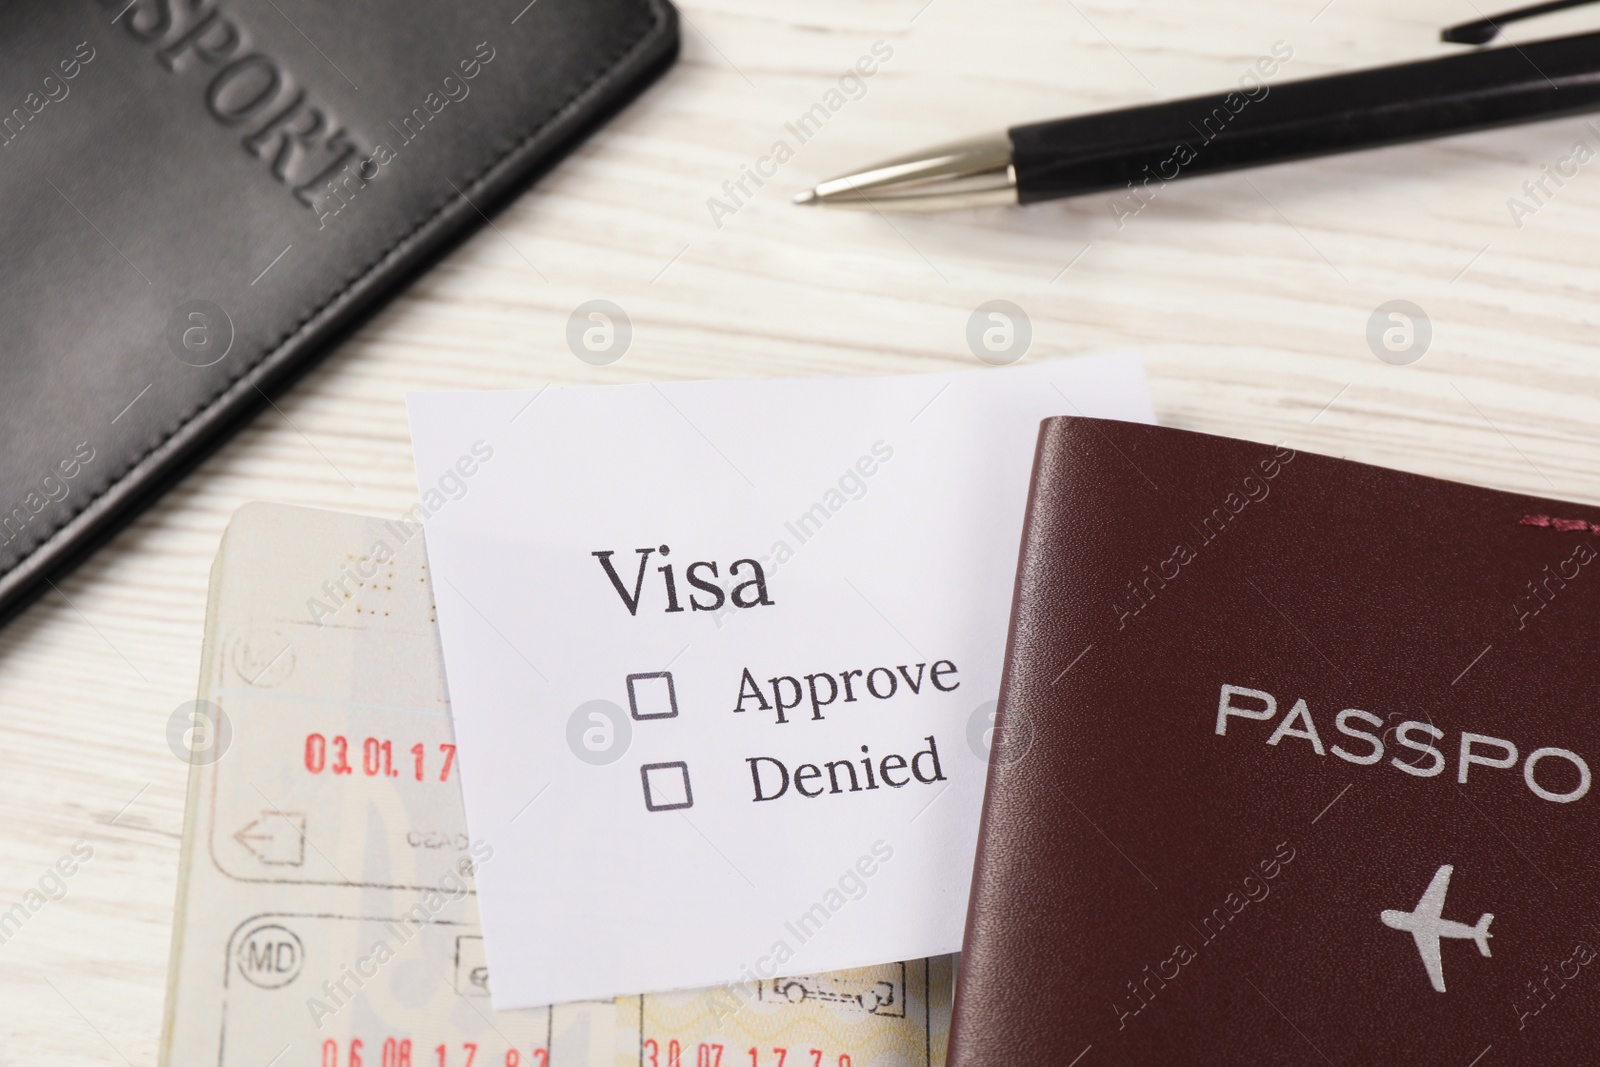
<point x="666" y="786"/>
<point x="651" y="696"/>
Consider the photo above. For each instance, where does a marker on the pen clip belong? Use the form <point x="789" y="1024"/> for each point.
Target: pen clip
<point x="1485" y="30"/>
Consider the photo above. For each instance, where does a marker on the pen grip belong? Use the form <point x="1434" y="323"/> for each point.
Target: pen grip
<point x="1145" y="147"/>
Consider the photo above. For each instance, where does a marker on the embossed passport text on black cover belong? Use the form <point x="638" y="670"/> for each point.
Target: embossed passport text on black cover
<point x="202" y="195"/>
<point x="1293" y="765"/>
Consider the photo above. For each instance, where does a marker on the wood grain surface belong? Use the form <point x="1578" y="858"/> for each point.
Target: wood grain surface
<point x="1249" y="295"/>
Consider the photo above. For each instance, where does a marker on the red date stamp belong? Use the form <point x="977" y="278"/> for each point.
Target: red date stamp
<point x="675" y="1053"/>
<point x="396" y="1052"/>
<point x="336" y="755"/>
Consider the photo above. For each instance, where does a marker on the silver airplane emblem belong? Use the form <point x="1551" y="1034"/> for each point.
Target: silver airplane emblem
<point x="1426" y="925"/>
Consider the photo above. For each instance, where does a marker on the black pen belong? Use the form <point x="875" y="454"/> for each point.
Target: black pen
<point x="1142" y="148"/>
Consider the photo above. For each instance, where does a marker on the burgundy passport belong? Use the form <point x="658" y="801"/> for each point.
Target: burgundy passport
<point x="1292" y="765"/>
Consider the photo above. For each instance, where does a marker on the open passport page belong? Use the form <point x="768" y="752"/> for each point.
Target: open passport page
<point x="326" y="912"/>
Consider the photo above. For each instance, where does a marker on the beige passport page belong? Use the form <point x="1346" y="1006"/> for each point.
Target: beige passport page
<point x="327" y="912"/>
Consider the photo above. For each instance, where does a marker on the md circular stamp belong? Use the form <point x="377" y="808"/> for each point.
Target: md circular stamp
<point x="270" y="956"/>
<point x="262" y="656"/>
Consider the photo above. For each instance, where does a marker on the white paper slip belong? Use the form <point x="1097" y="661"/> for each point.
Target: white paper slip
<point x="722" y="658"/>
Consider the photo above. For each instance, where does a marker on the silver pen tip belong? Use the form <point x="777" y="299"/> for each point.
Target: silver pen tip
<point x="965" y="174"/>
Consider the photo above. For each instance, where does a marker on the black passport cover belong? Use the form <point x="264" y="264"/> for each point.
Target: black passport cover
<point x="202" y="196"/>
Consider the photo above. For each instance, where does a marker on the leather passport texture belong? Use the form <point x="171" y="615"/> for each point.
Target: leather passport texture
<point x="203" y="195"/>
<point x="1292" y="765"/>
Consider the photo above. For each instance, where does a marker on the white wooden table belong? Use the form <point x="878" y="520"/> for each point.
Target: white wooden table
<point x="1249" y="296"/>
